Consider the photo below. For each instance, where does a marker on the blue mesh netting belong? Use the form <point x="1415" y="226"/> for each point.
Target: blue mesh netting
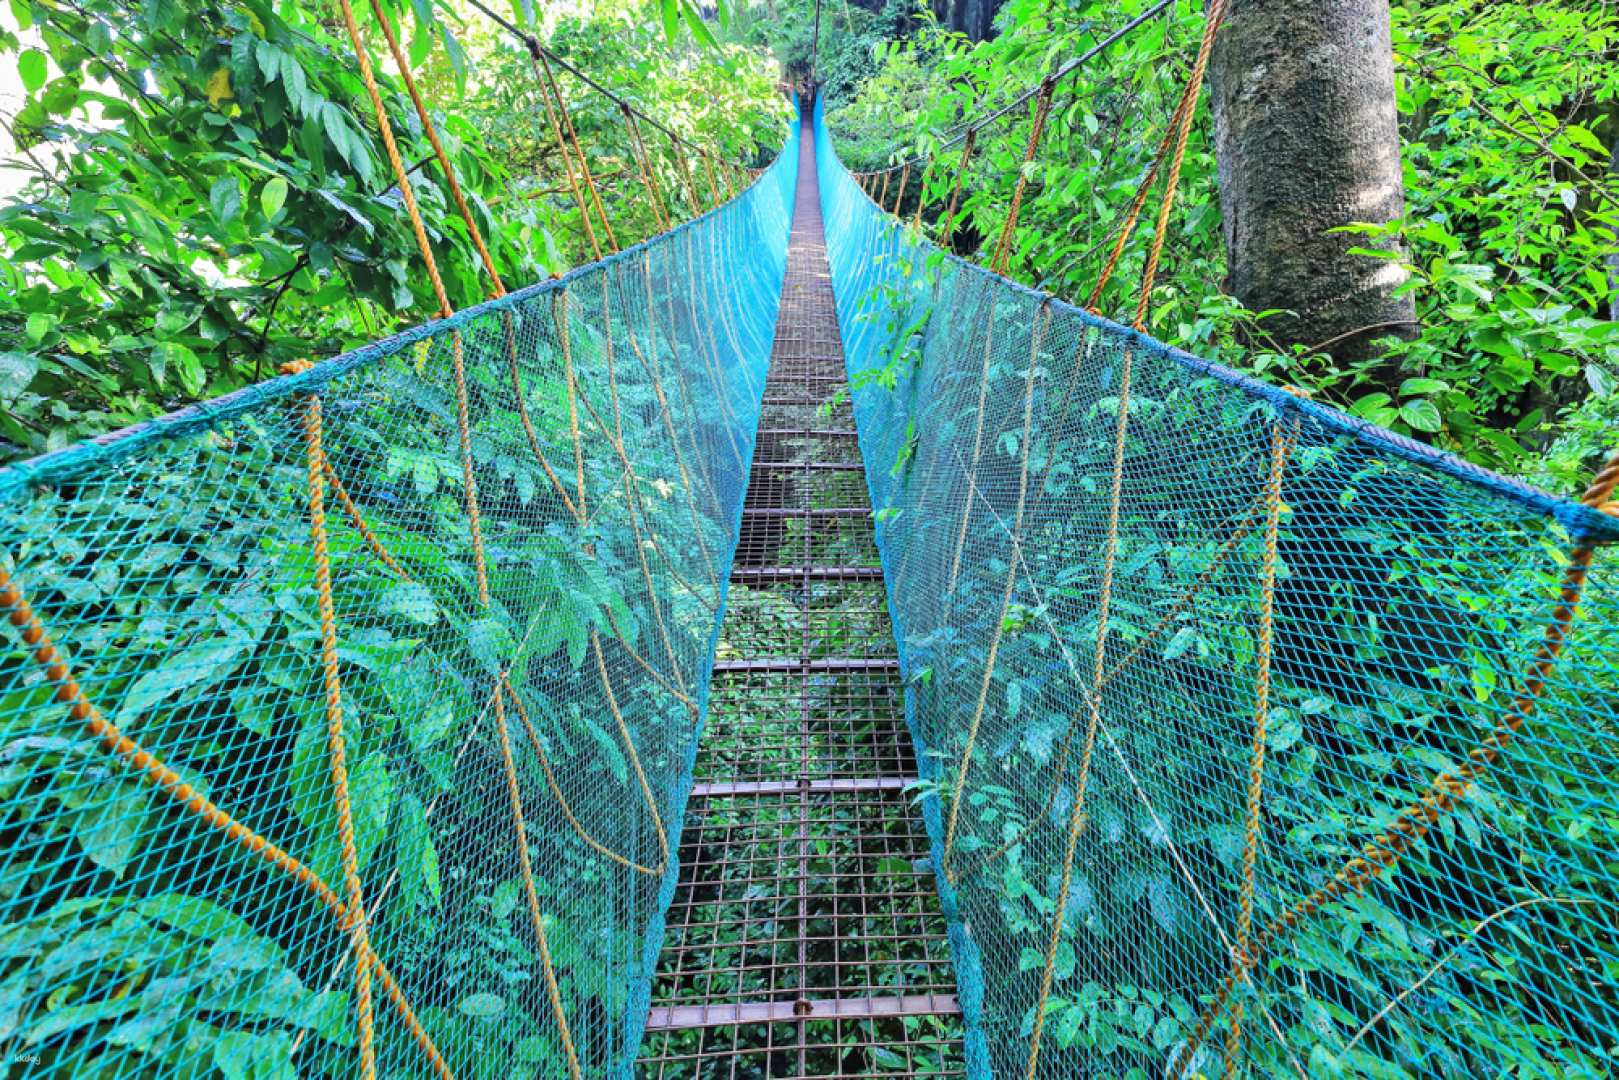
<point x="173" y="567"/>
<point x="1411" y="592"/>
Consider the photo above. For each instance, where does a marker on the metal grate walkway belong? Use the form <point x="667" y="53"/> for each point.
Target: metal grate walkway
<point x="805" y="937"/>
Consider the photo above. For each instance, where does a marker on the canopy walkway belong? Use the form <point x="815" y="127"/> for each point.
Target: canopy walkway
<point x="772" y="651"/>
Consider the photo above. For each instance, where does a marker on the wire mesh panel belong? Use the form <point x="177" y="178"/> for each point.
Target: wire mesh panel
<point x="1257" y="740"/>
<point x="351" y="718"/>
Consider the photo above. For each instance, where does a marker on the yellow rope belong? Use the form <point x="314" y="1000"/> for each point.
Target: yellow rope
<point x="463" y="424"/>
<point x="584" y="162"/>
<point x="151" y="770"/>
<point x="1076" y="816"/>
<point x="1003" y="250"/>
<point x="654" y="196"/>
<point x="1256" y="766"/>
<point x="336" y="745"/>
<point x="548" y="90"/>
<point x="559" y="315"/>
<point x="1036" y="334"/>
<point x="629" y="745"/>
<point x="1416" y="819"/>
<point x="922" y="195"/>
<point x="562" y="800"/>
<point x="955" y="192"/>
<point x="431" y="131"/>
<point x="1216" y="14"/>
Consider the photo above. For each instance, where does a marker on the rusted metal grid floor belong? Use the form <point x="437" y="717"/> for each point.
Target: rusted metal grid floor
<point x="805" y="937"/>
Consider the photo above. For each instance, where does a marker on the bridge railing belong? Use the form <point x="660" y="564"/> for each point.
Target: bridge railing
<point x="259" y="681"/>
<point x="1253" y="736"/>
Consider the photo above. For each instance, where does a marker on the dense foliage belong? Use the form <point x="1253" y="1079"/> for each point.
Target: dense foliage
<point x="1509" y="128"/>
<point x="211" y="197"/>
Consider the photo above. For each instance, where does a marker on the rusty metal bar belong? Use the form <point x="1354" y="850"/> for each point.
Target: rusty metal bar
<point x="731" y="788"/>
<point x="693" y="1016"/>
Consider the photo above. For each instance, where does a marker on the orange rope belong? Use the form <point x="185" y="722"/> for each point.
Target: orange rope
<point x="899" y="196"/>
<point x="573" y="135"/>
<point x="153" y="771"/>
<point x="463" y="423"/>
<point x="559" y="315"/>
<point x="1256" y="767"/>
<point x="713" y="185"/>
<point x="546" y="94"/>
<point x="955" y="192"/>
<point x="1076" y="816"/>
<point x="685" y="174"/>
<point x="556" y="790"/>
<point x="336" y="745"/>
<point x="882" y="196"/>
<point x="1036" y="336"/>
<point x="1417" y="819"/>
<point x="352" y="512"/>
<point x="1216" y="14"/>
<point x="922" y="195"/>
<point x="1003" y="250"/>
<point x="438" y="148"/>
<point x="653" y="194"/>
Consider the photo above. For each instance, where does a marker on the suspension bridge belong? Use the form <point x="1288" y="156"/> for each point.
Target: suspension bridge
<point x="782" y="648"/>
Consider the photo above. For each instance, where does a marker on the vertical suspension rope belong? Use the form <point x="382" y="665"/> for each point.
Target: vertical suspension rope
<point x="463" y="423"/>
<point x="1042" y="108"/>
<point x="1216" y="15"/>
<point x="653" y="193"/>
<point x="536" y="53"/>
<point x="922" y="192"/>
<point x="904" y="178"/>
<point x="713" y="184"/>
<point x="882" y="196"/>
<point x="546" y="96"/>
<point x="431" y="130"/>
<point x="336" y="744"/>
<point x="1280" y="446"/>
<point x="1077" y="816"/>
<point x="1416" y="819"/>
<point x="955" y="192"/>
<point x="1036" y="336"/>
<point x="685" y="176"/>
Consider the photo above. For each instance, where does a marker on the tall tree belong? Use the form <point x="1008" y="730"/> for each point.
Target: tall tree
<point x="1307" y="140"/>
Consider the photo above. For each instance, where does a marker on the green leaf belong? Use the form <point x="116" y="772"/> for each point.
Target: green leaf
<point x="699" y="29"/>
<point x="1183" y="640"/>
<point x="192" y="667"/>
<point x="243" y="1055"/>
<point x="481" y="1006"/>
<point x="17" y="370"/>
<point x="410" y="600"/>
<point x="31" y="69"/>
<point x="671" y="19"/>
<point x="110" y="828"/>
<point x="225" y="197"/>
<point x="273" y="196"/>
<point x="1421" y="415"/>
<point x="186" y="365"/>
<point x="418" y="859"/>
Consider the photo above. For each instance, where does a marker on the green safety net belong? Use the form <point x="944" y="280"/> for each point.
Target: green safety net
<point x="143" y="929"/>
<point x="1408" y="596"/>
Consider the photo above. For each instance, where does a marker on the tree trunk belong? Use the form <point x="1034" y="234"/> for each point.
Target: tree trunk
<point x="1307" y="139"/>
